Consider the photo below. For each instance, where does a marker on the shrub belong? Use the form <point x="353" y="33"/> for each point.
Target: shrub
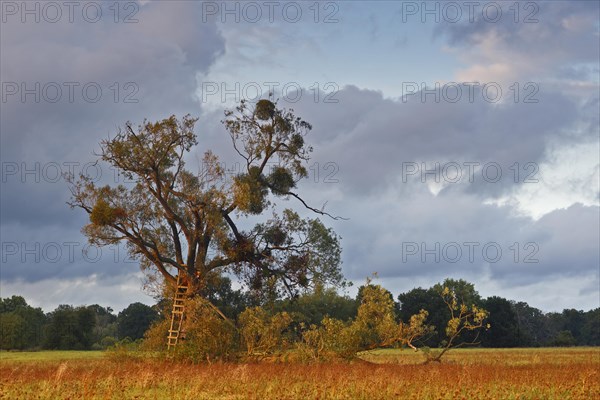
<point x="206" y="336"/>
<point x="155" y="338"/>
<point x="262" y="333"/>
<point x="333" y="339"/>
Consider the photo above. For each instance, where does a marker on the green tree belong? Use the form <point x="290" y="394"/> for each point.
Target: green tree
<point x="261" y="332"/>
<point x="9" y="304"/>
<point x="573" y="321"/>
<point x="11" y="327"/>
<point x="464" y="291"/>
<point x="564" y="339"/>
<point x="533" y="326"/>
<point x="134" y="320"/>
<point x="178" y="222"/>
<point x="311" y="307"/>
<point x="504" y="322"/>
<point x="231" y="302"/>
<point x="70" y="328"/>
<point x="590" y="331"/>
<point x="105" y="327"/>
<point x="21" y="325"/>
<point x="463" y="319"/>
<point x="411" y="302"/>
<point x="374" y="326"/>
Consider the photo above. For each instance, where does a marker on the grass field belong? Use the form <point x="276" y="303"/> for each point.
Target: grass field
<point x="571" y="373"/>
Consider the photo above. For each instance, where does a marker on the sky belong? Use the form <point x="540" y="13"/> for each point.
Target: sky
<point x="459" y="139"/>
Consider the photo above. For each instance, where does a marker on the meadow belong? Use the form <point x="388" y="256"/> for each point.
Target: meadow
<point x="565" y="373"/>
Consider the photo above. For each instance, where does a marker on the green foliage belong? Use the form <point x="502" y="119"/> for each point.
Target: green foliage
<point x="280" y="181"/>
<point x="103" y="214"/>
<point x="504" y="321"/>
<point x="10" y="304"/>
<point x="155" y="338"/>
<point x="463" y="319"/>
<point x="220" y="293"/>
<point x="11" y="326"/>
<point x="321" y="323"/>
<point x="332" y="339"/>
<point x="590" y="331"/>
<point x="463" y="291"/>
<point x="249" y="194"/>
<point x="533" y="327"/>
<point x="413" y="301"/>
<point x="262" y="333"/>
<point x="134" y="320"/>
<point x="375" y="322"/>
<point x="375" y="326"/>
<point x="264" y="110"/>
<point x="207" y="336"/>
<point x="105" y="343"/>
<point x="311" y="307"/>
<point x="303" y="250"/>
<point x="70" y="328"/>
<point x="105" y="325"/>
<point x="21" y="326"/>
<point x="564" y="339"/>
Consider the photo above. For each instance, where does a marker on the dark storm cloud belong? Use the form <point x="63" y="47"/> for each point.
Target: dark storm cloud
<point x="369" y="138"/>
<point x="144" y="69"/>
<point x="425" y="236"/>
<point x="364" y="129"/>
<point x="563" y="24"/>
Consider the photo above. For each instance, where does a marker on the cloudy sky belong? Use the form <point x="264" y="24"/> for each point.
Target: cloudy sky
<point x="461" y="140"/>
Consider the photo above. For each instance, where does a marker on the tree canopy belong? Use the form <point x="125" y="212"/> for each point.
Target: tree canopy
<point x="175" y="221"/>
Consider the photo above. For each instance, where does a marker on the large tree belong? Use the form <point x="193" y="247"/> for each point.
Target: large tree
<point x="197" y="224"/>
<point x="134" y="320"/>
<point x="503" y="319"/>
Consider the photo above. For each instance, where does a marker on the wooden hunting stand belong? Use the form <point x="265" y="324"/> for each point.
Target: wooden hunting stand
<point x="177" y="314"/>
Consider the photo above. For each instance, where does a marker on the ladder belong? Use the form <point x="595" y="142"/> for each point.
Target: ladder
<point x="175" y="331"/>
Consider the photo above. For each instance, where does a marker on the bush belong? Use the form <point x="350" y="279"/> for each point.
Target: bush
<point x="207" y="336"/>
<point x="333" y="339"/>
<point x="105" y="343"/>
<point x="564" y="339"/>
<point x="262" y="333"/>
<point x="155" y="338"/>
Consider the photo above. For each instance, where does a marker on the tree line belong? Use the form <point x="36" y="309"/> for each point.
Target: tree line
<point x="511" y="323"/>
<point x="93" y="327"/>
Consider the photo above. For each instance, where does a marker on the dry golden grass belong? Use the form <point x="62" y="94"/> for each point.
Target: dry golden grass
<point x="466" y="374"/>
